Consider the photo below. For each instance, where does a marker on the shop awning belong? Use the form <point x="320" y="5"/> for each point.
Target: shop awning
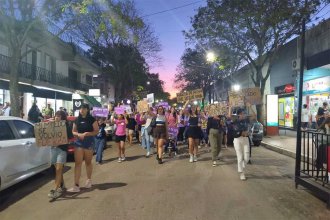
<point x="318" y="60"/>
<point x="92" y="101"/>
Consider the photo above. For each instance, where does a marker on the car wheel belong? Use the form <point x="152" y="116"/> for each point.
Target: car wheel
<point x="256" y="143"/>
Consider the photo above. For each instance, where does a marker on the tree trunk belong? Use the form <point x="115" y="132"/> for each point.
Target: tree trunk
<point x="13" y="84"/>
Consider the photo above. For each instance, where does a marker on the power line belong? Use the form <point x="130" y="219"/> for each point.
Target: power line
<point x="172" y="9"/>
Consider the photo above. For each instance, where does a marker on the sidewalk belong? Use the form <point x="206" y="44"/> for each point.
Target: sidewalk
<point x="284" y="144"/>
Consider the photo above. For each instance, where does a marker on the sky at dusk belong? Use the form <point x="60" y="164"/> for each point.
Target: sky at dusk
<point x="168" y="27"/>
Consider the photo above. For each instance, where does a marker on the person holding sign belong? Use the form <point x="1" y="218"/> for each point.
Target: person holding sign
<point x="160" y="132"/>
<point x="59" y="155"/>
<point x="241" y="127"/>
<point x="120" y="123"/>
<point x="84" y="128"/>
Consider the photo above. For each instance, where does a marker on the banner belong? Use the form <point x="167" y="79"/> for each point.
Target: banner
<point x="151" y="98"/>
<point x="100" y="112"/>
<point x="190" y="95"/>
<point x="77" y="104"/>
<point x="216" y="109"/>
<point x="120" y="110"/>
<point x="142" y="106"/>
<point x="128" y="109"/>
<point x="236" y="99"/>
<point x="252" y="95"/>
<point x="50" y="133"/>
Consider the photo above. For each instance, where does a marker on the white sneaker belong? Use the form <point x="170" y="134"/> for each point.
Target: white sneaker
<point x="88" y="184"/>
<point x="123" y="158"/>
<point x="199" y="147"/>
<point x="195" y="158"/>
<point x="191" y="159"/>
<point x="242" y="176"/>
<point x="214" y="163"/>
<point x="119" y="160"/>
<point x="148" y="154"/>
<point x="74" y="189"/>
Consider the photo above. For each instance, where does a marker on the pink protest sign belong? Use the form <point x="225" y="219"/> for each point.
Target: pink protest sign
<point x="120" y="110"/>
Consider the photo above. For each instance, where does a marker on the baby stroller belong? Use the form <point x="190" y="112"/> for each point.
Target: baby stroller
<point x="171" y="145"/>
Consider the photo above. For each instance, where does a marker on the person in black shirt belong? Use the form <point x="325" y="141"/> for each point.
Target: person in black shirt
<point x="131" y="126"/>
<point x="194" y="133"/>
<point x="241" y="125"/>
<point x="320" y="117"/>
<point x="84" y="128"/>
<point x="215" y="132"/>
<point x="100" y="140"/>
<point x="59" y="155"/>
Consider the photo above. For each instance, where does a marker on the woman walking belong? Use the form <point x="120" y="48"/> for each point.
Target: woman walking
<point x="59" y="155"/>
<point x="100" y="140"/>
<point x="215" y="134"/>
<point x="194" y="133"/>
<point x="120" y="122"/>
<point x="84" y="128"/>
<point x="147" y="135"/>
<point x="181" y="126"/>
<point x="160" y="132"/>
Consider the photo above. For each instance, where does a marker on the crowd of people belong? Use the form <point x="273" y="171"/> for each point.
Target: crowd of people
<point x="155" y="130"/>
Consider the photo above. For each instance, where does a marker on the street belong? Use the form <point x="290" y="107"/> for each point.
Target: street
<point x="142" y="189"/>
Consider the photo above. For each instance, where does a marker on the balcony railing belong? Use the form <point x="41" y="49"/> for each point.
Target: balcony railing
<point x="31" y="72"/>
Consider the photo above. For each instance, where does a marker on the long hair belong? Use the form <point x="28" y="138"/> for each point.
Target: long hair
<point x="174" y="114"/>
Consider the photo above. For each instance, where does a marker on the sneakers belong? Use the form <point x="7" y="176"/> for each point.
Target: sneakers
<point x="195" y="158"/>
<point x="214" y="163"/>
<point x="74" y="189"/>
<point x="191" y="159"/>
<point x="148" y="154"/>
<point x="119" y="159"/>
<point x="88" y="184"/>
<point x="199" y="147"/>
<point x="160" y="161"/>
<point x="54" y="194"/>
<point x="242" y="176"/>
<point x="123" y="158"/>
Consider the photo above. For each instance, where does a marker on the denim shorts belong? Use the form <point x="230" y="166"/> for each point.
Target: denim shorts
<point x="86" y="144"/>
<point x="58" y="155"/>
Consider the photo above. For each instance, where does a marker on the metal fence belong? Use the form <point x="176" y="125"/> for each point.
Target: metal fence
<point x="315" y="163"/>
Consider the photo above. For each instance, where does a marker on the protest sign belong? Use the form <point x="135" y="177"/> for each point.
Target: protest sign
<point x="120" y="110"/>
<point x="142" y="106"/>
<point x="190" y="95"/>
<point x="252" y="96"/>
<point x="128" y="109"/>
<point x="50" y="133"/>
<point x="151" y="98"/>
<point x="236" y="99"/>
<point x="100" y="112"/>
<point x="216" y="109"/>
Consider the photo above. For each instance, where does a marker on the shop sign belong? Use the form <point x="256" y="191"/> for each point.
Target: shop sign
<point x="272" y="110"/>
<point x="316" y="86"/>
<point x="285" y="89"/>
<point x="77" y="104"/>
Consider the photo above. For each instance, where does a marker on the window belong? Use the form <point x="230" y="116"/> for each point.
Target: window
<point x="24" y="129"/>
<point x="6" y="132"/>
<point x="89" y="79"/>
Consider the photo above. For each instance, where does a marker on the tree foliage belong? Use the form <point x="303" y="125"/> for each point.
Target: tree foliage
<point x="255" y="29"/>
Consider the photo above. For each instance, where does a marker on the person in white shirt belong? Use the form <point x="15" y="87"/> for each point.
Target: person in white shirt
<point x="6" y="109"/>
<point x="304" y="117"/>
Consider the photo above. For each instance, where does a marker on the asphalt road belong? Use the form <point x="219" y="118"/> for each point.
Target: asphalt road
<point x="142" y="189"/>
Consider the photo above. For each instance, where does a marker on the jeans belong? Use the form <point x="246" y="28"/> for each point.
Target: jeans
<point x="242" y="148"/>
<point x="99" y="145"/>
<point x="147" y="139"/>
<point x="215" y="141"/>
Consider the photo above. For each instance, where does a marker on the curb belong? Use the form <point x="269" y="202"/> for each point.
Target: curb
<point x="279" y="149"/>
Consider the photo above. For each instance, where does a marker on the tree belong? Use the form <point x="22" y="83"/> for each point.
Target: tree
<point x="156" y="86"/>
<point x="255" y="29"/>
<point x="21" y="20"/>
<point x="122" y="42"/>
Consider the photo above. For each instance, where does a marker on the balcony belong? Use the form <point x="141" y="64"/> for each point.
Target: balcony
<point x="35" y="73"/>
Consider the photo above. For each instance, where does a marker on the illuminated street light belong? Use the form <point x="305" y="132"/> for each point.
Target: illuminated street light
<point x="210" y="57"/>
<point x="195" y="102"/>
<point x="128" y="101"/>
<point x="148" y="83"/>
<point x="236" y="87"/>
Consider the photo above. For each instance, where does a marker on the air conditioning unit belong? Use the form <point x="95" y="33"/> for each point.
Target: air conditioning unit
<point x="295" y="64"/>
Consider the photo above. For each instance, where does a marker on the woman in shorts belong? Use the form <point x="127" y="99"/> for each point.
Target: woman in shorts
<point x="59" y="155"/>
<point x="160" y="132"/>
<point x="121" y="122"/>
<point x="84" y="128"/>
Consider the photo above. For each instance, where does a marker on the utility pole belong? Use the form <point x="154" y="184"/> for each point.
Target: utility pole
<point x="300" y="93"/>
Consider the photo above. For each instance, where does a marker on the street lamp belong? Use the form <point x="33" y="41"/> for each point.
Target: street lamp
<point x="236" y="87"/>
<point x="210" y="57"/>
<point x="128" y="101"/>
<point x="148" y="83"/>
<point x="195" y="102"/>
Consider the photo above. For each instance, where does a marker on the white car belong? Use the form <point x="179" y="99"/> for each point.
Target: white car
<point x="20" y="158"/>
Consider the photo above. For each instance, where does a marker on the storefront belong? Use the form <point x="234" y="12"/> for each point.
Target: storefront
<point x="286" y="105"/>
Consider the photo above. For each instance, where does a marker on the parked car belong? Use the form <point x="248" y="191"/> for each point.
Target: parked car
<point x="20" y="157"/>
